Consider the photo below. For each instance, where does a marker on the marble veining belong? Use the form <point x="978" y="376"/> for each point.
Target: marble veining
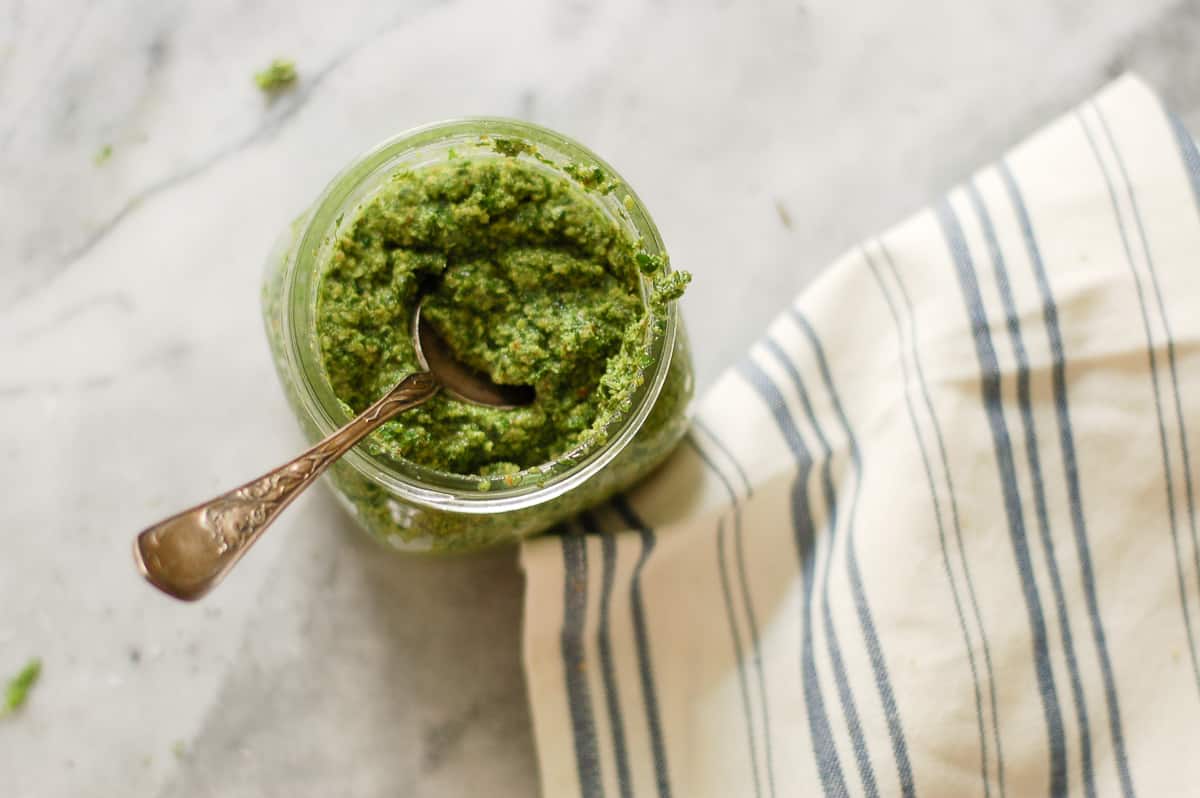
<point x="765" y="137"/>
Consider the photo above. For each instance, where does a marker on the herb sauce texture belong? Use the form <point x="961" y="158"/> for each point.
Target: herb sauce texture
<point x="525" y="276"/>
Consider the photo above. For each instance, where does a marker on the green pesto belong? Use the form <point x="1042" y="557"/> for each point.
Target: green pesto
<point x="445" y="532"/>
<point x="19" y="686"/>
<point x="525" y="276"/>
<point x="279" y="74"/>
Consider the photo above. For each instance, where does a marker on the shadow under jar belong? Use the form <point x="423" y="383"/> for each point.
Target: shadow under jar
<point x="412" y="506"/>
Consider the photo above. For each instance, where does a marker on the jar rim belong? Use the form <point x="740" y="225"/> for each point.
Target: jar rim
<point x="341" y="199"/>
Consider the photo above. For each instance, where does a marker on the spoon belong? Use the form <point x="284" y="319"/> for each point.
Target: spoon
<point x="186" y="555"/>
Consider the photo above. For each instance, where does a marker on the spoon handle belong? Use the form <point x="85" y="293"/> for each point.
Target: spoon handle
<point x="186" y="555"/>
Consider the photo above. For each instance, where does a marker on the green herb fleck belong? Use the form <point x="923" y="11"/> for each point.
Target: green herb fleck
<point x="20" y="685"/>
<point x="590" y="177"/>
<point x="452" y="154"/>
<point x="278" y="76"/>
<point x="670" y="287"/>
<point x="102" y="155"/>
<point x="647" y="263"/>
<point x="784" y="216"/>
<point x="511" y="148"/>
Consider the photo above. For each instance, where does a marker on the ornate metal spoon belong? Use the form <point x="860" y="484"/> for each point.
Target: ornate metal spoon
<point x="186" y="555"/>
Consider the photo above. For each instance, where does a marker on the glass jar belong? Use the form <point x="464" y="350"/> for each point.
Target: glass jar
<point x="412" y="507"/>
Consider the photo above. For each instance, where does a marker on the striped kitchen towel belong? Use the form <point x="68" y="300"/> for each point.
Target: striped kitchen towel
<point x="936" y="534"/>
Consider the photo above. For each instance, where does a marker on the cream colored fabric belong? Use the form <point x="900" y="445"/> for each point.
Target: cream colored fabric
<point x="937" y="534"/>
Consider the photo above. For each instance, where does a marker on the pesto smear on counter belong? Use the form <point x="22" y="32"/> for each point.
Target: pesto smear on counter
<point x="279" y="75"/>
<point x="525" y="276"/>
<point x="19" y="686"/>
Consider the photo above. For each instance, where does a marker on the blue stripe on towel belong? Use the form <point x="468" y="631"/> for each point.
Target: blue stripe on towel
<point x="583" y="725"/>
<point x="993" y="404"/>
<point x="642" y="638"/>
<point x="1071" y="473"/>
<point x="1152" y="358"/>
<point x="608" y="671"/>
<point x="731" y="616"/>
<point x="1025" y="405"/>
<point x="875" y="651"/>
<point x="829" y="766"/>
<point x="941" y="525"/>
<point x="841" y="677"/>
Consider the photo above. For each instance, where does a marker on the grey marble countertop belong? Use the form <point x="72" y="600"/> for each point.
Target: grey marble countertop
<point x="765" y="137"/>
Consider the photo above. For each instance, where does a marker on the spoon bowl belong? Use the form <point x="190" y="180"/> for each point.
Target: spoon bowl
<point x="188" y="554"/>
<point x="459" y="380"/>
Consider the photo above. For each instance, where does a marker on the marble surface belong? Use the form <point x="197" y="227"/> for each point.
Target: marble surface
<point x="765" y="137"/>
